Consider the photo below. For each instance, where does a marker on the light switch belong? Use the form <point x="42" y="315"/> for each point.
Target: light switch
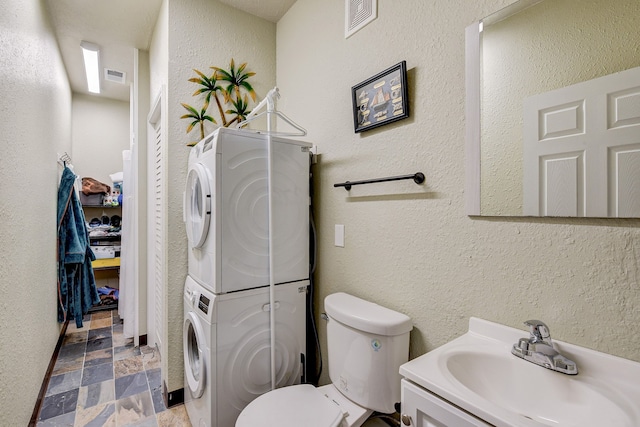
<point x="339" y="235"/>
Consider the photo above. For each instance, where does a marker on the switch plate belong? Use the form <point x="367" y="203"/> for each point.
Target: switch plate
<point x="339" y="235"/>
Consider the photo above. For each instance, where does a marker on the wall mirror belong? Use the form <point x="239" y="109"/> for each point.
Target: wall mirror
<point x="553" y="110"/>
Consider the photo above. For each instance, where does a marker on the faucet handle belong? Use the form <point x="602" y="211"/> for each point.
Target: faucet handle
<point x="539" y="331"/>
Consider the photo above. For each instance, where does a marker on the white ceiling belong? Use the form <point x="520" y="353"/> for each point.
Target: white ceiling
<point x="118" y="26"/>
<point x="271" y="10"/>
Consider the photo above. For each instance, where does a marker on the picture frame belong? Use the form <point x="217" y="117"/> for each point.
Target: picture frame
<point x="381" y="99"/>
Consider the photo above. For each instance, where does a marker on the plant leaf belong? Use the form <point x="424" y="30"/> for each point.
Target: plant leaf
<point x="204" y="108"/>
<point x="190" y="108"/>
<point x="249" y="89"/>
<point x="223" y="74"/>
<point x="191" y="126"/>
<point x="200" y="73"/>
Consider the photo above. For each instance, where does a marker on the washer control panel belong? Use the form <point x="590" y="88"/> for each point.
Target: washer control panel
<point x="203" y="304"/>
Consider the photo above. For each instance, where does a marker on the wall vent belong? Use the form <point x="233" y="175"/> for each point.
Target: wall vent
<point x="115" y="76"/>
<point x="359" y="13"/>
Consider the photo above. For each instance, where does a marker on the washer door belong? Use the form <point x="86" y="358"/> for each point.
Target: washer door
<point x="198" y="205"/>
<point x="194" y="355"/>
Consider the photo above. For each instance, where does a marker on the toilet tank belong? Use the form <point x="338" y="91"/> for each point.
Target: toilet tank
<point x="366" y="343"/>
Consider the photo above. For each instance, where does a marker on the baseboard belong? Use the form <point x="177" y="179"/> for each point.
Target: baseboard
<point x="172" y="398"/>
<point x="47" y="376"/>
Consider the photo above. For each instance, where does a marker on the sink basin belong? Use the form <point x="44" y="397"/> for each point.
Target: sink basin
<point x="535" y="393"/>
<point x="478" y="373"/>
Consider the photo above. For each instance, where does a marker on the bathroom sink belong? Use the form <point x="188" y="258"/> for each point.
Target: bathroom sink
<point x="533" y="392"/>
<point x="478" y="373"/>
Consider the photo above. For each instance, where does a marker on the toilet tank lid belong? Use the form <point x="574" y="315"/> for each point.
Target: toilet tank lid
<point x="366" y="316"/>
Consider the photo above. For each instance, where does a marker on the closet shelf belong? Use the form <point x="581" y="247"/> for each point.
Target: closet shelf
<point x="105" y="238"/>
<point x="106" y="263"/>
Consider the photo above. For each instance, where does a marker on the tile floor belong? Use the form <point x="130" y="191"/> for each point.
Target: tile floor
<point x="101" y="379"/>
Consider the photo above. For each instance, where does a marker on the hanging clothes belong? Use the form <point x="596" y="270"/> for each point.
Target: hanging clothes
<point x="76" y="284"/>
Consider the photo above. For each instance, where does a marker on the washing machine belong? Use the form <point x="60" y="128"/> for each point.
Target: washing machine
<point x="226" y="210"/>
<point x="227" y="353"/>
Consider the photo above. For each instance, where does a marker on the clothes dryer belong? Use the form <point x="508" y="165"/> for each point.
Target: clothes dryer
<point x="227" y="348"/>
<point x="226" y="210"/>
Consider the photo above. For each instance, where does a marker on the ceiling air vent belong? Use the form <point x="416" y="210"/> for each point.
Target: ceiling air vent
<point x="359" y="13"/>
<point x="115" y="76"/>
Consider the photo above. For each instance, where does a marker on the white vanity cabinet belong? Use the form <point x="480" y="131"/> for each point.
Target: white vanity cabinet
<point x="474" y="380"/>
<point x="421" y="408"/>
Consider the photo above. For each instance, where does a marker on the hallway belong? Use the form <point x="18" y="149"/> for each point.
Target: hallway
<point x="101" y="379"/>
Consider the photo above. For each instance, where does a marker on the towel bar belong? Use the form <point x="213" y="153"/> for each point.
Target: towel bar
<point x="418" y="178"/>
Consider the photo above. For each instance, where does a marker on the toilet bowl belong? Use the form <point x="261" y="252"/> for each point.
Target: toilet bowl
<point x="303" y="405"/>
<point x="366" y="343"/>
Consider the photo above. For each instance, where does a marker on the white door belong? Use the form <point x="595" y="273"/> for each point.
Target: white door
<point x="156" y="267"/>
<point x="582" y="149"/>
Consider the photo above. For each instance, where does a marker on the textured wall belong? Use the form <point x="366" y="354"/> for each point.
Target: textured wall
<point x="410" y="247"/>
<point x="202" y="33"/>
<point x="551" y="45"/>
<point x="100" y="131"/>
<point x="35" y="107"/>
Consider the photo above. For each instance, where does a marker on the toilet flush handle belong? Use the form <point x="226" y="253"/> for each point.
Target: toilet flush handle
<point x="324" y="316"/>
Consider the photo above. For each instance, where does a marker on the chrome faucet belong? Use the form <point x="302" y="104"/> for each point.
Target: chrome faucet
<point x="539" y="349"/>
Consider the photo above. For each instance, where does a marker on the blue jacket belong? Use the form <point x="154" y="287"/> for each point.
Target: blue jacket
<point x="76" y="284"/>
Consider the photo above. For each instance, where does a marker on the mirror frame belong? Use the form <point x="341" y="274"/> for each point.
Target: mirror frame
<point x="472" y="102"/>
<point x="472" y="119"/>
<point x="473" y="108"/>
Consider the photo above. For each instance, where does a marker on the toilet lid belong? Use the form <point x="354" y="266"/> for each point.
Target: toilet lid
<point x="293" y="406"/>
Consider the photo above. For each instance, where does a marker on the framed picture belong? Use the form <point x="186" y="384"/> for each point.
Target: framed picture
<point x="382" y="99"/>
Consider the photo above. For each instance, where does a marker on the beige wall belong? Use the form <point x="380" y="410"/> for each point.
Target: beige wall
<point x="196" y="34"/>
<point x="35" y="108"/>
<point x="407" y="247"/>
<point x="100" y="132"/>
<point x="410" y="247"/>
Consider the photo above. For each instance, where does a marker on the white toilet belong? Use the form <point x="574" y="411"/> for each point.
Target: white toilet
<point x="367" y="344"/>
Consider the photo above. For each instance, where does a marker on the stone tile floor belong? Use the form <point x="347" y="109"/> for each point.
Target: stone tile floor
<point x="101" y="379"/>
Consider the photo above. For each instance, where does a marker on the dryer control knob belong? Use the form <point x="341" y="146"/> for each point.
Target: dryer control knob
<point x="192" y="297"/>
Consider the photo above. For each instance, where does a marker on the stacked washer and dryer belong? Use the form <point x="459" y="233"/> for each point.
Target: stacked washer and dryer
<point x="243" y="277"/>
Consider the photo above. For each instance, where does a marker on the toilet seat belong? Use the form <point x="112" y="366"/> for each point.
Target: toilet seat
<point x="292" y="406"/>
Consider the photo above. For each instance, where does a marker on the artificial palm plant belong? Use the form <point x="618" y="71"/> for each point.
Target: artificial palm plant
<point x="237" y="79"/>
<point x="210" y="87"/>
<point x="239" y="109"/>
<point x="198" y="117"/>
<point x="230" y="83"/>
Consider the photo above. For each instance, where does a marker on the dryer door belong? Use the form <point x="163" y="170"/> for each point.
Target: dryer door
<point x="194" y="355"/>
<point x="197" y="205"/>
